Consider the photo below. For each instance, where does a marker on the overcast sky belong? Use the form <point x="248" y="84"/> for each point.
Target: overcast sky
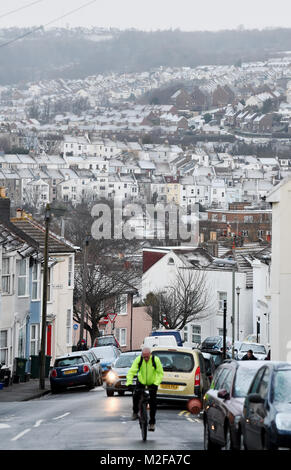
<point x="188" y="15"/>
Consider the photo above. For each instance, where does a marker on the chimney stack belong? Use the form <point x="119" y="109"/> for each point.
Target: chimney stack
<point x="4" y="205"/>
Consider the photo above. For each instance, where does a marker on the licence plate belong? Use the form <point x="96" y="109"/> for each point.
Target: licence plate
<point x="123" y="382"/>
<point x="169" y="386"/>
<point x="68" y="372"/>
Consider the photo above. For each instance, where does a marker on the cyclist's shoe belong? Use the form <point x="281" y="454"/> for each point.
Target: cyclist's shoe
<point x="134" y="417"/>
<point x="151" y="427"/>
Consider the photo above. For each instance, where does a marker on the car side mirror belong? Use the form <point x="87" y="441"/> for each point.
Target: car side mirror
<point x="255" y="398"/>
<point x="223" y="394"/>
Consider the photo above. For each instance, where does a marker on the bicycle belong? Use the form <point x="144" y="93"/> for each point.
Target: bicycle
<point x="143" y="414"/>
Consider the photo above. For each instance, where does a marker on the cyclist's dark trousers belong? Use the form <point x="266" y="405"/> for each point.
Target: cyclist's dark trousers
<point x="153" y="400"/>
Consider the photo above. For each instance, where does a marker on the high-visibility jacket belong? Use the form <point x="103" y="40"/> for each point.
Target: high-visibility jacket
<point x="147" y="374"/>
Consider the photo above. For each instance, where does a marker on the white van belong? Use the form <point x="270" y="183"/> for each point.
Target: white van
<point x="163" y="340"/>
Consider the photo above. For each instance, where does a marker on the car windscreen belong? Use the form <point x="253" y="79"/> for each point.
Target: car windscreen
<point x="69" y="361"/>
<point x="105" y="341"/>
<point x="242" y="382"/>
<point x="104" y="354"/>
<point x="175" y="361"/>
<point x="125" y="361"/>
<point x="211" y="341"/>
<point x="256" y="348"/>
<point x="282" y="386"/>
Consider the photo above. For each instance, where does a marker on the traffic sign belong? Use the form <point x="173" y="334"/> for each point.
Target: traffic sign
<point x="112" y="317"/>
<point x="75" y="326"/>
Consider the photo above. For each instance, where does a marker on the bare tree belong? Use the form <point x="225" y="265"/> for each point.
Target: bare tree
<point x="105" y="283"/>
<point x="188" y="298"/>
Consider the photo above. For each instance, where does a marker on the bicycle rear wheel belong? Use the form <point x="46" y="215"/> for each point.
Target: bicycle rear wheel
<point x="143" y="421"/>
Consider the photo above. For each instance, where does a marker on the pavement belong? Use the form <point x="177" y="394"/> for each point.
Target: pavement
<point x="24" y="391"/>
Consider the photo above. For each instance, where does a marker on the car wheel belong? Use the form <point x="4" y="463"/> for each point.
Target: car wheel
<point x="121" y="393"/>
<point x="208" y="444"/>
<point x="109" y="393"/>
<point x="55" y="389"/>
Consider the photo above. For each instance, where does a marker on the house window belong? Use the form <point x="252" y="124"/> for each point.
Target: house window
<point x="122" y="304"/>
<point x="196" y="334"/>
<point x="222" y="296"/>
<point x="186" y="333"/>
<point x="70" y="272"/>
<point x="34" y="339"/>
<point x="6" y="276"/>
<point x="69" y="326"/>
<point x="22" y="277"/>
<point x="121" y="336"/>
<point x="4" y="347"/>
<point x="35" y="282"/>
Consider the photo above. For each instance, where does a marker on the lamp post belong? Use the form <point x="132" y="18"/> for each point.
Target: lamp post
<point x="44" y="300"/>
<point x="84" y="276"/>
<point x="237" y="293"/>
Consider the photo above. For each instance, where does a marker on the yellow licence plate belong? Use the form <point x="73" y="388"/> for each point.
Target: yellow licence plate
<point x="67" y="372"/>
<point x="169" y="386"/>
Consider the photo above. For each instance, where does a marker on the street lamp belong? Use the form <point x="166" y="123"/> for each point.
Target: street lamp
<point x="237" y="292"/>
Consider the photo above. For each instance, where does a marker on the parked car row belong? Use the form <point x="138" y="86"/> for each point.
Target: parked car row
<point x="249" y="405"/>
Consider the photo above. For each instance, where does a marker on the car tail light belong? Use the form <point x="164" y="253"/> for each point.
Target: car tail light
<point x="197" y="377"/>
<point x="86" y="369"/>
<point x="53" y="373"/>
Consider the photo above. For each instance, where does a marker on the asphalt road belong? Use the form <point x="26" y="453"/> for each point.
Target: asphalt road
<point x="78" y="419"/>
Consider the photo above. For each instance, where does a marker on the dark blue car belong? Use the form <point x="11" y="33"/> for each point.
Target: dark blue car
<point x="77" y="368"/>
<point x="266" y="420"/>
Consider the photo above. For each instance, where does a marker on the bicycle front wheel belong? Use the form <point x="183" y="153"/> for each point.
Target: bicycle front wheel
<point x="143" y="421"/>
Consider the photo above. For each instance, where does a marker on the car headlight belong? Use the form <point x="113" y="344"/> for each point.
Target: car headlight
<point x="283" y="422"/>
<point x="111" y="376"/>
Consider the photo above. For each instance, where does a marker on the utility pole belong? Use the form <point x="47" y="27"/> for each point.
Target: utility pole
<point x="85" y="254"/>
<point x="44" y="301"/>
<point x="238" y="292"/>
<point x="224" y="329"/>
<point x="233" y="311"/>
<point x="131" y="311"/>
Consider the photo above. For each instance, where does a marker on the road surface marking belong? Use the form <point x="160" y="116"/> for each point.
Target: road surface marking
<point x="38" y="423"/>
<point x="62" y="416"/>
<point x="190" y="419"/>
<point x="182" y="412"/>
<point x="20" y="435"/>
<point x="4" y="426"/>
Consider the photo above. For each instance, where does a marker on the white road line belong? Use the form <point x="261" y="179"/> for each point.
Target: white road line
<point x="190" y="419"/>
<point x="62" y="416"/>
<point x="38" y="423"/>
<point x="20" y="435"/>
<point x="4" y="426"/>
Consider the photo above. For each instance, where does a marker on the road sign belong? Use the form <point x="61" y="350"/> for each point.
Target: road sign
<point x="75" y="326"/>
<point x="112" y="317"/>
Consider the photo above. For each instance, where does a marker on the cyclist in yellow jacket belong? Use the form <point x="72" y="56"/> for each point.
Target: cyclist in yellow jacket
<point x="149" y="371"/>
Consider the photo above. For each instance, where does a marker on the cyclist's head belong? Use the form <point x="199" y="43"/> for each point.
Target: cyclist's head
<point x="146" y="353"/>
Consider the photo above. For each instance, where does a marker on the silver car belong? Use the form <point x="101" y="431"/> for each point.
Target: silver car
<point x="258" y="349"/>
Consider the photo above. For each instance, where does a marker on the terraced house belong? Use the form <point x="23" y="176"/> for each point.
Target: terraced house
<point x="21" y="262"/>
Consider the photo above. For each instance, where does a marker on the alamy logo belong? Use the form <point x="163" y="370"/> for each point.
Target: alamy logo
<point x="145" y="222"/>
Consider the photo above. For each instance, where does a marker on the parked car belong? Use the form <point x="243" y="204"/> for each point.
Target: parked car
<point x="175" y="333"/>
<point x="223" y="404"/>
<point x="216" y="356"/>
<point x="258" y="349"/>
<point x="106" y="340"/>
<point x="107" y="355"/>
<point x="160" y="340"/>
<point x="215" y="343"/>
<point x="116" y="377"/>
<point x="184" y="374"/>
<point x="209" y="365"/>
<point x="98" y="367"/>
<point x="266" y="419"/>
<point x="73" y="369"/>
